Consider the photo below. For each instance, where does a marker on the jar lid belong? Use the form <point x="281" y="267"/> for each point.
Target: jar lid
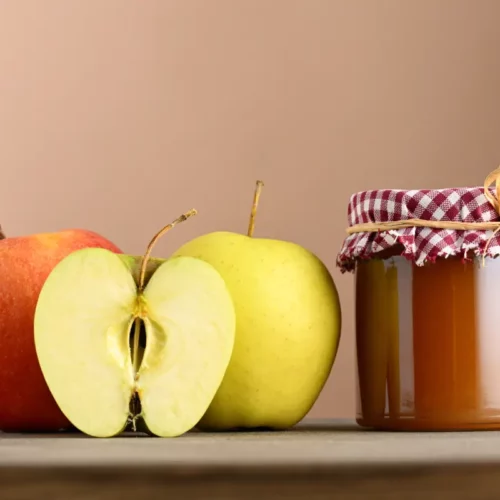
<point x="426" y="223"/>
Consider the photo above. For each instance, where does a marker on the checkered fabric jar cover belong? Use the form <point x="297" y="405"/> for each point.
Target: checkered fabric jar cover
<point x="420" y="244"/>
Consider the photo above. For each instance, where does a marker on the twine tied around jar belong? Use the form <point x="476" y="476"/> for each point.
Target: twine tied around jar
<point x="494" y="200"/>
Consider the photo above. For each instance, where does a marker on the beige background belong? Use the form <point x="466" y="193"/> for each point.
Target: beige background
<point x="118" y="115"/>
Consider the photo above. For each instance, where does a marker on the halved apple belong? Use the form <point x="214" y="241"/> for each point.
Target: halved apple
<point x="87" y="309"/>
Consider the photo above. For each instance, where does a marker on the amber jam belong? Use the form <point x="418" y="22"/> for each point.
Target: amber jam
<point x="428" y="344"/>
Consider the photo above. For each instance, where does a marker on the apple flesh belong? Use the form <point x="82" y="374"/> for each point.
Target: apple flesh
<point x="25" y="262"/>
<point x="86" y="312"/>
<point x="288" y="322"/>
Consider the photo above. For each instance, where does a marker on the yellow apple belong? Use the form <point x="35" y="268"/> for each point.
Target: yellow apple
<point x="288" y="322"/>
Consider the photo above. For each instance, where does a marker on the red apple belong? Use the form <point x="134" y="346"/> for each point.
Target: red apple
<point x="26" y="404"/>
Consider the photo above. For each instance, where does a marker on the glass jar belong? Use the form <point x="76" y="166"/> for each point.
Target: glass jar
<point x="428" y="344"/>
<point x="427" y="306"/>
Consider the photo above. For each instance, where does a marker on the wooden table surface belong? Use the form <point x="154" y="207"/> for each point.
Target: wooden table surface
<point x="316" y="460"/>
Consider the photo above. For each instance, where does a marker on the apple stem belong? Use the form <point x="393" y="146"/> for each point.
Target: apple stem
<point x="256" y="195"/>
<point x="2" y="234"/>
<point x="152" y="243"/>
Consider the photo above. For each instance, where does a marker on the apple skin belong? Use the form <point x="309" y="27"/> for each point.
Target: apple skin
<point x="25" y="263"/>
<point x="288" y="322"/>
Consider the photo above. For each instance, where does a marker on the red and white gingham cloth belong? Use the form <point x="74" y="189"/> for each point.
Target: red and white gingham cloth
<point x="420" y="244"/>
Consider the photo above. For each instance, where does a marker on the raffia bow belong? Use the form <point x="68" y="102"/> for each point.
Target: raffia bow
<point x="493" y="177"/>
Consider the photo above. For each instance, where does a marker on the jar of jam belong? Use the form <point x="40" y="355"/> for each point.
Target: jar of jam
<point x="427" y="306"/>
